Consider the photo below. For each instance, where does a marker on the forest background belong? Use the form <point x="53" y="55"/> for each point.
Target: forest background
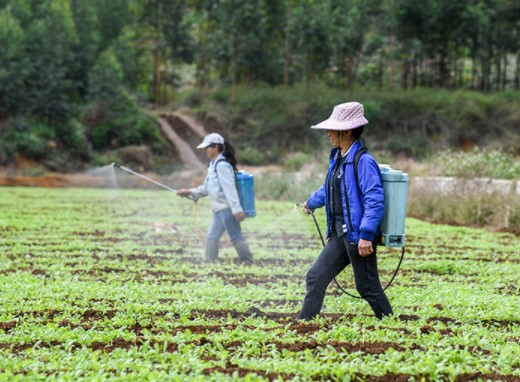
<point x="81" y="80"/>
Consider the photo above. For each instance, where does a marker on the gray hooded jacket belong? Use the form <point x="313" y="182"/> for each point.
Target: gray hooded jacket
<point x="220" y="186"/>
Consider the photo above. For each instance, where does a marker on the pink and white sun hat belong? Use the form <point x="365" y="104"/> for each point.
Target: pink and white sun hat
<point x="345" y="116"/>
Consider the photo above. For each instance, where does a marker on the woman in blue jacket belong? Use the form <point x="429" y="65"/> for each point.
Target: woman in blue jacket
<point x="354" y="210"/>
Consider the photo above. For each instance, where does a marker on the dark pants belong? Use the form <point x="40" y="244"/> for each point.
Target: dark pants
<point x="334" y="257"/>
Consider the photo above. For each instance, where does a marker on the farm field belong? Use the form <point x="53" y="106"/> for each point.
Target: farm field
<point x="100" y="284"/>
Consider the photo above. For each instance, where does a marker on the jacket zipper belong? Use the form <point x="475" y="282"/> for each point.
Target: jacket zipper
<point x="351" y="231"/>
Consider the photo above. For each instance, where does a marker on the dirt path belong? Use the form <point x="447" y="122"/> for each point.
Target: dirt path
<point x="185" y="149"/>
<point x="191" y="122"/>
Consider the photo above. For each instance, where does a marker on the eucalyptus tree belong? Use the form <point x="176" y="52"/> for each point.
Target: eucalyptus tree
<point x="113" y="16"/>
<point x="237" y="43"/>
<point x="106" y="94"/>
<point x="203" y="11"/>
<point x="350" y="23"/>
<point x="506" y="38"/>
<point x="90" y="39"/>
<point x="13" y="65"/>
<point x="312" y="45"/>
<point x="51" y="37"/>
<point x="165" y="30"/>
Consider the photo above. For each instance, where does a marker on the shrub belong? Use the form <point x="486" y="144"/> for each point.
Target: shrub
<point x="250" y="156"/>
<point x="479" y="163"/>
<point x="296" y="160"/>
<point x="28" y="137"/>
<point x="495" y="210"/>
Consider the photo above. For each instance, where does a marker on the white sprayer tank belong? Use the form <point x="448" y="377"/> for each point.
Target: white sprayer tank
<point x="395" y="185"/>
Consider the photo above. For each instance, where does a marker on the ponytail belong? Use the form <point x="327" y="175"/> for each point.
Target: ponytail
<point x="229" y="153"/>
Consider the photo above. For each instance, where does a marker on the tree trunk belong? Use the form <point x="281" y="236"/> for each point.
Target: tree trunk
<point x="234" y="70"/>
<point x="473" y="73"/>
<point x="287" y="46"/>
<point x="504" y="72"/>
<point x="157" y="56"/>
<point x="498" y="63"/>
<point x="462" y="66"/>
<point x="517" y="71"/>
<point x="203" y="53"/>
<point x="307" y="67"/>
<point x="390" y="73"/>
<point x="157" y="73"/>
<point x="405" y="71"/>
<point x="414" y="74"/>
<point x="353" y="66"/>
<point x="442" y="71"/>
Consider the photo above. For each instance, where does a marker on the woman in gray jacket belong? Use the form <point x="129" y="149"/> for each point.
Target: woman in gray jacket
<point x="221" y="187"/>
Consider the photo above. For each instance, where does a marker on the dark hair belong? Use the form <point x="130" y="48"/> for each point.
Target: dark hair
<point x="356" y="134"/>
<point x="229" y="153"/>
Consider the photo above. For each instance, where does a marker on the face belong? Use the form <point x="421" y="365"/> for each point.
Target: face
<point x="212" y="151"/>
<point x="333" y="137"/>
<point x="339" y="138"/>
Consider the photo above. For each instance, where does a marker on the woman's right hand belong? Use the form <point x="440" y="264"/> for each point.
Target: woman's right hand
<point x="184" y="192"/>
<point x="306" y="209"/>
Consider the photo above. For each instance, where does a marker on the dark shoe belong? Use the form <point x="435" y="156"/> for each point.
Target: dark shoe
<point x="244" y="252"/>
<point x="241" y="261"/>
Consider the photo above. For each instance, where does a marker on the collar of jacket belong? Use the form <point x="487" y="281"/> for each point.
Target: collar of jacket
<point x="336" y="152"/>
<point x="219" y="157"/>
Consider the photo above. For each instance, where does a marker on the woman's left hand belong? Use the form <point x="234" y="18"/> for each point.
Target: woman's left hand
<point x="365" y="247"/>
<point x="240" y="216"/>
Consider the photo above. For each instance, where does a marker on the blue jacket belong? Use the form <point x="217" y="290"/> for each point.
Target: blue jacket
<point x="363" y="206"/>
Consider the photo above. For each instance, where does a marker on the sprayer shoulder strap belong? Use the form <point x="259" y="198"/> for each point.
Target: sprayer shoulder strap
<point x="356" y="162"/>
<point x="223" y="160"/>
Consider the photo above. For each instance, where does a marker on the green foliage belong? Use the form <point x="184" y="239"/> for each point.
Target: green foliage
<point x="295" y="161"/>
<point x="286" y="186"/>
<point x="26" y="143"/>
<point x="130" y="56"/>
<point x="478" y="163"/>
<point x="415" y="123"/>
<point x="122" y="124"/>
<point x="50" y="39"/>
<point x="54" y="54"/>
<point x="44" y="142"/>
<point x="493" y="210"/>
<point x="251" y="156"/>
<point x="113" y="118"/>
<point x="106" y="81"/>
<point x="13" y="64"/>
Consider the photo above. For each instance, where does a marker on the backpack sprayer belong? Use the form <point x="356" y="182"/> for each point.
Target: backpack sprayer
<point x="392" y="227"/>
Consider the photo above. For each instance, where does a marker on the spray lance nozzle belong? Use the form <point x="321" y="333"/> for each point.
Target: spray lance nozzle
<point x="114" y="164"/>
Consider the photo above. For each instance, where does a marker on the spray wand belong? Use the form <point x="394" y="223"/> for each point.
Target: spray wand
<point x="167" y="188"/>
<point x="142" y="176"/>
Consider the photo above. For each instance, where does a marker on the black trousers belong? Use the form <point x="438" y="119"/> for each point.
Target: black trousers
<point x="335" y="256"/>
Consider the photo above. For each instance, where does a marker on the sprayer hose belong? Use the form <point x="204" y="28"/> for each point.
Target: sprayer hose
<point x="336" y="281"/>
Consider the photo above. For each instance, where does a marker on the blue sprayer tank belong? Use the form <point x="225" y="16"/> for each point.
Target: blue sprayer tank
<point x="246" y="192"/>
<point x="395" y="185"/>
